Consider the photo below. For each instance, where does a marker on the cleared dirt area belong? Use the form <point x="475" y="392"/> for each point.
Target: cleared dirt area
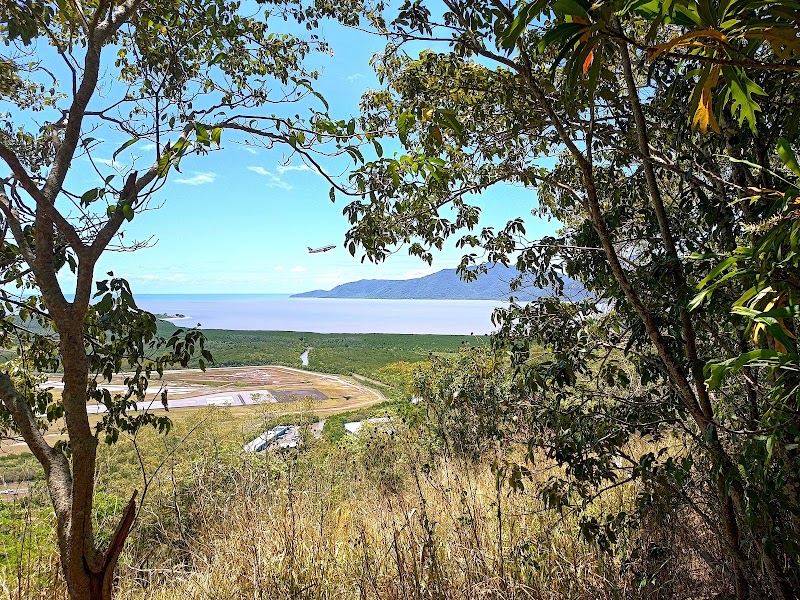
<point x="281" y="390"/>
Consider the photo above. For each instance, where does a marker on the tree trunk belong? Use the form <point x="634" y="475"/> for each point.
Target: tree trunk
<point x="729" y="514"/>
<point x="87" y="581"/>
<point x="89" y="573"/>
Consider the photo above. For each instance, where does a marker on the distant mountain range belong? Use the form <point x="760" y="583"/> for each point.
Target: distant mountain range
<point x="442" y="285"/>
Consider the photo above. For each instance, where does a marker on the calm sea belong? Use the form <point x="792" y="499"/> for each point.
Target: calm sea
<point x="274" y="312"/>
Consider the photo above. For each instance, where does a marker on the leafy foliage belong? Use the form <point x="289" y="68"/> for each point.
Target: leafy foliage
<point x="660" y="136"/>
<point x="147" y="82"/>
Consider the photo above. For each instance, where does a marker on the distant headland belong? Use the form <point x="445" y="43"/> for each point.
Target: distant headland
<point x="442" y="285"/>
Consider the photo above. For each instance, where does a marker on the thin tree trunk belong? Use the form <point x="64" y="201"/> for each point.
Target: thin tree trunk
<point x="728" y="516"/>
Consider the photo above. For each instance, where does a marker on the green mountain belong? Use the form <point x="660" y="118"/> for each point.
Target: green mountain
<point x="444" y="284"/>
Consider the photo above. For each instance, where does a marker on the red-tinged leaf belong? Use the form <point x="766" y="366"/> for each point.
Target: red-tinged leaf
<point x="588" y="62"/>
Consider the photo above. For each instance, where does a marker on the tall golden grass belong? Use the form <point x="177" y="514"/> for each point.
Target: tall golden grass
<point x="386" y="516"/>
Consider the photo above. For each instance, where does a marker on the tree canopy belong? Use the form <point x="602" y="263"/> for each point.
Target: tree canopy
<point x="661" y="136"/>
<point x="148" y="83"/>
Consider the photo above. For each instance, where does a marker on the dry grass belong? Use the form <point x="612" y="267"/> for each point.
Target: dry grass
<point x="374" y="519"/>
<point x="382" y="517"/>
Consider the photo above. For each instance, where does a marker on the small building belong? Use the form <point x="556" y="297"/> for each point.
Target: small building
<point x="281" y="436"/>
<point x="375" y="423"/>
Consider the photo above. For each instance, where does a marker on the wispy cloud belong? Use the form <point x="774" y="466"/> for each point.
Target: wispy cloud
<point x="283" y="168"/>
<point x="148" y="146"/>
<point x="198" y="178"/>
<point x="354" y="77"/>
<point x="272" y="180"/>
<point x="250" y="150"/>
<point x="109" y="163"/>
<point x="148" y="277"/>
<point x="299" y="269"/>
<point x="417" y="273"/>
<point x="277" y="268"/>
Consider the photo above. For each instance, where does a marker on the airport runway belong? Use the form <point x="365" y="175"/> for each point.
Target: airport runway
<point x="232" y="398"/>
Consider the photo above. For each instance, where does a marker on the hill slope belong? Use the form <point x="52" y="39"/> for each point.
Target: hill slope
<point x="444" y="284"/>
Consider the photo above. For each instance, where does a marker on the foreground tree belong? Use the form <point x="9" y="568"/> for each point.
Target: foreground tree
<point x="673" y="126"/>
<point x="77" y="75"/>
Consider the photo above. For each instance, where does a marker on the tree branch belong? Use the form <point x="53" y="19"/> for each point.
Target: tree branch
<point x="54" y="462"/>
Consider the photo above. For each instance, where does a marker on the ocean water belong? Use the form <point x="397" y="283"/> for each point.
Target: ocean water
<point x="274" y="312"/>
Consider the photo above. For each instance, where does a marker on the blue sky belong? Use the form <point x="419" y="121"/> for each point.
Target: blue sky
<point x="240" y="220"/>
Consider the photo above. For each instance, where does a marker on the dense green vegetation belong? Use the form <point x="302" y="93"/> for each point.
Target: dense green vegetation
<point x="364" y="354"/>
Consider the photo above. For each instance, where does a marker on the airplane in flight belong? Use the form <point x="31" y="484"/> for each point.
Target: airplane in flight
<point x="318" y="250"/>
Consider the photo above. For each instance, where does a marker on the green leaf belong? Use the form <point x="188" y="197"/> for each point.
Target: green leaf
<point x="511" y="34"/>
<point x="404" y="123"/>
<point x="201" y="133"/>
<point x="731" y="260"/>
<point x="716" y="372"/>
<point x="564" y="31"/>
<point x="127" y="211"/>
<point x="105" y="303"/>
<point x="740" y="93"/>
<point x="450" y="119"/>
<point x="785" y="312"/>
<point x="127" y="144"/>
<point x="571" y="8"/>
<point x="787" y="156"/>
<point x="770" y="448"/>
<point x="89" y="196"/>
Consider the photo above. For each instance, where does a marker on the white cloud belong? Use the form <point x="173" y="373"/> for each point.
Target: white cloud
<point x="417" y="273"/>
<point x="272" y="180"/>
<point x="198" y="178"/>
<point x="283" y="168"/>
<point x="354" y="77"/>
<point x="250" y="150"/>
<point x="147" y="147"/>
<point x="109" y="163"/>
<point x="275" y="182"/>
<point x="148" y="277"/>
<point x="278" y="268"/>
<point x="299" y="269"/>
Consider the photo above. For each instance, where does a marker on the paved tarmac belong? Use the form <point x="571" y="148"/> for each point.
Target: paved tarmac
<point x="232" y="398"/>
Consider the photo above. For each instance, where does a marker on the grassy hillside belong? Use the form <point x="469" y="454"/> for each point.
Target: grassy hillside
<point x="378" y="516"/>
